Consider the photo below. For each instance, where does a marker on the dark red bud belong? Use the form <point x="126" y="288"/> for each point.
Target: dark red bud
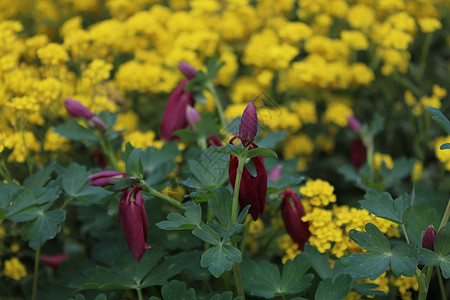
<point x="292" y="212"/>
<point x="249" y="125"/>
<point x="428" y="238"/>
<point x="134" y="222"/>
<point x="358" y="153"/>
<point x="98" y="123"/>
<point x="103" y="178"/>
<point x="174" y="117"/>
<point x="253" y="190"/>
<point x="214" y="141"/>
<point x="54" y="260"/>
<point x="188" y="71"/>
<point x="78" y="110"/>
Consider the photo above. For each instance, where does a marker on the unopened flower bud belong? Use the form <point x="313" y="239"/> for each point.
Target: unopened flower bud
<point x="192" y="116"/>
<point x="292" y="212"/>
<point x="78" y="110"/>
<point x="275" y="173"/>
<point x="104" y="178"/>
<point x="354" y="124"/>
<point x="249" y="125"/>
<point x="53" y="260"/>
<point x="428" y="238"/>
<point x="98" y="123"/>
<point x="187" y="70"/>
<point x="358" y="153"/>
<point x="134" y="221"/>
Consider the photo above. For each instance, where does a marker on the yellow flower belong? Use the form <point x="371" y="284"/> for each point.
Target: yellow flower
<point x="442" y="155"/>
<point x="52" y="54"/>
<point x="338" y="113"/>
<point x="318" y="192"/>
<point x="306" y="111"/>
<point x="297" y="146"/>
<point x="380" y="158"/>
<point x="417" y="172"/>
<point x="15" y="247"/>
<point x="439" y="92"/>
<point x="355" y="39"/>
<point x="14" y="269"/>
<point x="97" y="71"/>
<point x="55" y="143"/>
<point x="361" y="16"/>
<point x="428" y="25"/>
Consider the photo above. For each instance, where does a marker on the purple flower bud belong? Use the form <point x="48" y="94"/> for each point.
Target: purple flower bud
<point x="54" y="260"/>
<point x="103" y="178"/>
<point x="187" y="70"/>
<point x="249" y="125"/>
<point x="78" y="110"/>
<point x="354" y="124"/>
<point x="134" y="222"/>
<point x="428" y="238"/>
<point x="98" y="123"/>
<point x="192" y="116"/>
<point x="276" y="172"/>
<point x="292" y="215"/>
<point x="174" y="117"/>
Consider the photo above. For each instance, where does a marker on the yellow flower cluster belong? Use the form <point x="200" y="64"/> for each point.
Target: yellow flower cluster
<point x="14" y="269"/>
<point x="442" y="155"/>
<point x="318" y="192"/>
<point x="434" y="100"/>
<point x="379" y="158"/>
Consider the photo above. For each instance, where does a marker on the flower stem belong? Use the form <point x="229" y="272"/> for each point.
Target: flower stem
<point x="446" y="215"/>
<point x="139" y="292"/>
<point x="244" y="236"/>
<point x="423" y="286"/>
<point x="238" y="280"/>
<point x="441" y="284"/>
<point x="424" y="55"/>
<point x="219" y="107"/>
<point x="107" y="149"/>
<point x="406" y="235"/>
<point x="36" y="273"/>
<point x="160" y="195"/>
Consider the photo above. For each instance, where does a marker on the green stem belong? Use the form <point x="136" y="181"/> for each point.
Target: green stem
<point x="446" y="215"/>
<point x="441" y="284"/>
<point x="4" y="170"/>
<point x="139" y="292"/>
<point x="423" y="57"/>
<point x="424" y="283"/>
<point x="244" y="236"/>
<point x="107" y="149"/>
<point x="408" y="84"/>
<point x="66" y="202"/>
<point x="160" y="195"/>
<point x="406" y="235"/>
<point x="36" y="273"/>
<point x="219" y="107"/>
<point x="237" y="185"/>
<point x="238" y="280"/>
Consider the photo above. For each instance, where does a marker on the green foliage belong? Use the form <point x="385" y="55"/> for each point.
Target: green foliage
<point x="382" y="205"/>
<point x="209" y="168"/>
<point x="319" y="262"/>
<point x="439" y="117"/>
<point x="402" y="259"/>
<point x="334" y="289"/>
<point x="76" y="132"/>
<point x="220" y="258"/>
<point x="191" y="219"/>
<point x="134" y="166"/>
<point x="44" y="227"/>
<point x="441" y="254"/>
<point x="263" y="278"/>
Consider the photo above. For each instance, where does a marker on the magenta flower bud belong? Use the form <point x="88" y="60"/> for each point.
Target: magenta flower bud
<point x="358" y="153"/>
<point x="188" y="71"/>
<point x="292" y="212"/>
<point x="354" y="124"/>
<point x="192" y="116"/>
<point x="174" y="117"/>
<point x="253" y="190"/>
<point x="428" y="238"/>
<point x="276" y="172"/>
<point x="98" y="123"/>
<point x="54" y="260"/>
<point x="78" y="110"/>
<point x="249" y="125"/>
<point x="103" y="178"/>
<point x="134" y="221"/>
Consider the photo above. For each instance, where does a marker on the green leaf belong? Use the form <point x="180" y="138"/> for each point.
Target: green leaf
<point x="367" y="289"/>
<point x="336" y="290"/>
<point x="210" y="168"/>
<point x="29" y="199"/>
<point x="208" y="125"/>
<point x="75" y="178"/>
<point x="318" y="261"/>
<point x="372" y="239"/>
<point x="366" y="265"/>
<point x="191" y="219"/>
<point x="134" y="166"/>
<point x="186" y="135"/>
<point x="221" y="206"/>
<point x="207" y="234"/>
<point x="261" y="151"/>
<point x="402" y="168"/>
<point x="439" y="117"/>
<point x="349" y="173"/>
<point x="220" y="258"/>
<point x="224" y="296"/>
<point x="41" y="177"/>
<point x="74" y="131"/>
<point x="137" y="271"/>
<point x="442" y="241"/>
<point x="213" y="66"/>
<point x="428" y="257"/>
<point x="404" y="261"/>
<point x="445" y="146"/>
<point x="128" y="149"/>
<point x="272" y="139"/>
<point x="383" y="206"/>
<point x="263" y="278"/>
<point x="177" y="290"/>
<point x="230" y="150"/>
<point x="101" y="278"/>
<point x="44" y="227"/>
<point x="445" y="266"/>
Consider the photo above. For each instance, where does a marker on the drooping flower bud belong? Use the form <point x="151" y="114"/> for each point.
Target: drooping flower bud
<point x="192" y="116"/>
<point x="354" y="124"/>
<point x="276" y="172"/>
<point x="78" y="110"/>
<point x="98" y="123"/>
<point x="187" y="70"/>
<point x="292" y="212"/>
<point x="428" y="238"/>
<point x="174" y="117"/>
<point x="103" y="178"/>
<point x="249" y="125"/>
<point x="358" y="153"/>
<point x="253" y="189"/>
<point x="214" y="141"/>
<point x="134" y="221"/>
<point x="54" y="260"/>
